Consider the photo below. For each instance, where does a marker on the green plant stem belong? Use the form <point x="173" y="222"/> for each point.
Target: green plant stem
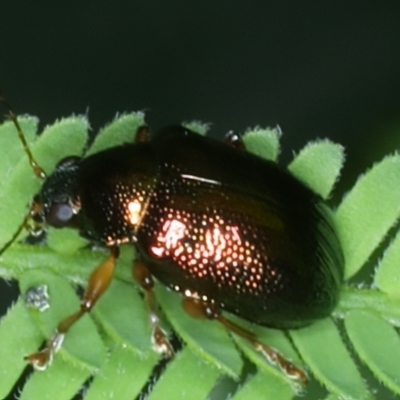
<point x="76" y="267"/>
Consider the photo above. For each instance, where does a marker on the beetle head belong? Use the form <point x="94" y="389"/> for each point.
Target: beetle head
<point x="57" y="203"/>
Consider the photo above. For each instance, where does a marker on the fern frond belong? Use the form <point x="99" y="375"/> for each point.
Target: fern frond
<point x="109" y="351"/>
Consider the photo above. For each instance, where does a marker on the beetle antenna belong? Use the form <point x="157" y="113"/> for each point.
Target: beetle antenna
<point x="35" y="229"/>
<point x="38" y="171"/>
<point x="16" y="234"/>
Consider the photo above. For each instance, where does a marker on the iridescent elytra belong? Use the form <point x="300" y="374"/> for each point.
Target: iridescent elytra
<point x="228" y="230"/>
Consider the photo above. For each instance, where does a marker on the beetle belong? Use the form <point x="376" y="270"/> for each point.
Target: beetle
<point x="228" y="230"/>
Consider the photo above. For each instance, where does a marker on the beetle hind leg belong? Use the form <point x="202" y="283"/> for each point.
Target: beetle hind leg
<point x="199" y="309"/>
<point x="159" y="337"/>
<point x="273" y="356"/>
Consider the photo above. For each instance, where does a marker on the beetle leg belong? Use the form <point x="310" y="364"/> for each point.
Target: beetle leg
<point x="32" y="222"/>
<point x="159" y="338"/>
<point x="234" y="140"/>
<point x="142" y="134"/>
<point x="99" y="281"/>
<point x="200" y="309"/>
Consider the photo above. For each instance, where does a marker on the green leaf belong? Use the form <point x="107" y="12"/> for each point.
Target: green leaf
<point x="114" y="347"/>
<point x="387" y="276"/>
<point x="368" y="211"/>
<point x="208" y="339"/>
<point x="20" y="258"/>
<point x="121" y="130"/>
<point x="333" y="397"/>
<point x="322" y="348"/>
<point x="64" y="138"/>
<point x="121" y="312"/>
<point x="9" y="140"/>
<point x="369" y="299"/>
<point x="262" y="386"/>
<point x="197" y="126"/>
<point x="64" y="302"/>
<point x="62" y="381"/>
<point x="18" y="336"/>
<point x="66" y="241"/>
<point x="187" y="377"/>
<point x="122" y="376"/>
<point x="67" y="137"/>
<point x="277" y="340"/>
<point x="329" y="158"/>
<point x="377" y="344"/>
<point x="263" y="142"/>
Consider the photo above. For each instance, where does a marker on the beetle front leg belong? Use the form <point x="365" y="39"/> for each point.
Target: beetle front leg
<point x="99" y="281"/>
<point x="159" y="338"/>
<point x="142" y="134"/>
<point x="199" y="309"/>
<point x="234" y="140"/>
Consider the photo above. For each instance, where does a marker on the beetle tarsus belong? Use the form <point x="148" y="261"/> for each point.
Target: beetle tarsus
<point x="275" y="358"/>
<point x="161" y="343"/>
<point x="234" y="140"/>
<point x="43" y="358"/>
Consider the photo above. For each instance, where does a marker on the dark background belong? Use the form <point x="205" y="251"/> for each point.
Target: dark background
<point x="318" y="69"/>
<point x="315" y="68"/>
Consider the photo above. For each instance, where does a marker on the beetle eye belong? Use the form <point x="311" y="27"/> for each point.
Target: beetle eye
<point x="67" y="162"/>
<point x="59" y="215"/>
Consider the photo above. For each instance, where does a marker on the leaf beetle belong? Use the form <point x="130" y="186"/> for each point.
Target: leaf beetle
<point x="226" y="229"/>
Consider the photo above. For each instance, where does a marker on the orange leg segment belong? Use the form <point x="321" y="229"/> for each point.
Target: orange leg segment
<point x="98" y="282"/>
<point x="199" y="309"/>
<point x="159" y="338"/>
